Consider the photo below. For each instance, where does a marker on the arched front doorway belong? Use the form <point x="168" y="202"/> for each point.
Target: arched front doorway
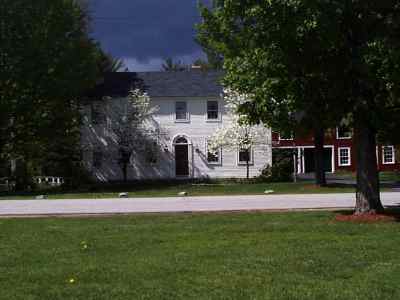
<point x="181" y="146"/>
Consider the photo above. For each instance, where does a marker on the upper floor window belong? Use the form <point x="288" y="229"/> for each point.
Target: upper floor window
<point x="388" y="155"/>
<point x="213" y="155"/>
<point x="181" y="112"/>
<point x="245" y="156"/>
<point x="212" y="110"/>
<point x="343" y="132"/>
<point x="344" y="156"/>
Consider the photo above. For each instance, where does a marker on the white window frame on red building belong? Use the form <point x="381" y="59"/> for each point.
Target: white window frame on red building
<point x="343" y="137"/>
<point x="291" y="138"/>
<point x="340" y="156"/>
<point x="392" y="153"/>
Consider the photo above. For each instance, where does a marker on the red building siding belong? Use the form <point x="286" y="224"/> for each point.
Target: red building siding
<point x="335" y="143"/>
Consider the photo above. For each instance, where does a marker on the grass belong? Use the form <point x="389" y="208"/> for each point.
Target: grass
<point x="389" y="176"/>
<point x="199" y="256"/>
<point x="214" y="188"/>
<point x="172" y="189"/>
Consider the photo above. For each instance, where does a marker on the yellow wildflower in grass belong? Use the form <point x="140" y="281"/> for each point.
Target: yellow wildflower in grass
<point x="71" y="280"/>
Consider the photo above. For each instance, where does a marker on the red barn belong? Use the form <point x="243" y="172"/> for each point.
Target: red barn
<point x="340" y="152"/>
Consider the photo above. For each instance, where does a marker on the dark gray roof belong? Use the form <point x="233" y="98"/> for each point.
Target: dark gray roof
<point x="195" y="83"/>
<point x="182" y="84"/>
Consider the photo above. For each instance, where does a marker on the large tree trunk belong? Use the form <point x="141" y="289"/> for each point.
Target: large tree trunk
<point x="319" y="139"/>
<point x="367" y="194"/>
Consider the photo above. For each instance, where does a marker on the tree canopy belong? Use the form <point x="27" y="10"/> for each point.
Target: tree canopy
<point x="48" y="61"/>
<point x="327" y="59"/>
<point x="128" y="125"/>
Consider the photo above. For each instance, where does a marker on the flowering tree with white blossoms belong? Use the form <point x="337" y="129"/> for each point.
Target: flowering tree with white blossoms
<point x="239" y="134"/>
<point x="128" y="126"/>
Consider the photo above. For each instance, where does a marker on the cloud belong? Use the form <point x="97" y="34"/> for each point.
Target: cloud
<point x="146" y="31"/>
<point x="155" y="63"/>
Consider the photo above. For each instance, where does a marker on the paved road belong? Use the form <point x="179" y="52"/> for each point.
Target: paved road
<point x="184" y="204"/>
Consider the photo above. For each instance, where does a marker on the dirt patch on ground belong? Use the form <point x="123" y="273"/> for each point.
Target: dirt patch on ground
<point x="369" y="218"/>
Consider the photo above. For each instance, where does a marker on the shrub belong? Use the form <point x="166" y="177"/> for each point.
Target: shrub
<point x="281" y="169"/>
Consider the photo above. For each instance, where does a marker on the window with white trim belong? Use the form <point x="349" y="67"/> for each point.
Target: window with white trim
<point x="344" y="156"/>
<point x="388" y="155"/>
<point x="343" y="132"/>
<point x="213" y="155"/>
<point x="244" y="156"/>
<point x="181" y="112"/>
<point x="212" y="110"/>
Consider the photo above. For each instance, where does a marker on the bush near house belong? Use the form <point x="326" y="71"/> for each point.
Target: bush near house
<point x="282" y="167"/>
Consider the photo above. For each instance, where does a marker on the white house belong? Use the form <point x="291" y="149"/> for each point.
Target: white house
<point x="190" y="109"/>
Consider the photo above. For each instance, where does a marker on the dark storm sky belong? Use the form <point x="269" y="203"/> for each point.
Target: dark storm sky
<point x="145" y="32"/>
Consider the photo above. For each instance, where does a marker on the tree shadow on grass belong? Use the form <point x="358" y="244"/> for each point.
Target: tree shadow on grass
<point x="391" y="214"/>
<point x="138" y="186"/>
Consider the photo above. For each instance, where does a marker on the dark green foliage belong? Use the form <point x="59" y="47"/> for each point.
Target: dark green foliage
<point x="314" y="62"/>
<point x="282" y="168"/>
<point x="204" y="65"/>
<point x="5" y="169"/>
<point x="215" y="58"/>
<point x="109" y="64"/>
<point x="47" y="62"/>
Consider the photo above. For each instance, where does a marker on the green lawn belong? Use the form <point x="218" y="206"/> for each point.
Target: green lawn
<point x="390" y="176"/>
<point x="172" y="189"/>
<point x="203" y="256"/>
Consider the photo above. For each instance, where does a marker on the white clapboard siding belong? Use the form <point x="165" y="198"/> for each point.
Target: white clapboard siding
<point x="197" y="130"/>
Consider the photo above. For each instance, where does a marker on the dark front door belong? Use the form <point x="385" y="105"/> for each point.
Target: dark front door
<point x="309" y="163"/>
<point x="181" y="160"/>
